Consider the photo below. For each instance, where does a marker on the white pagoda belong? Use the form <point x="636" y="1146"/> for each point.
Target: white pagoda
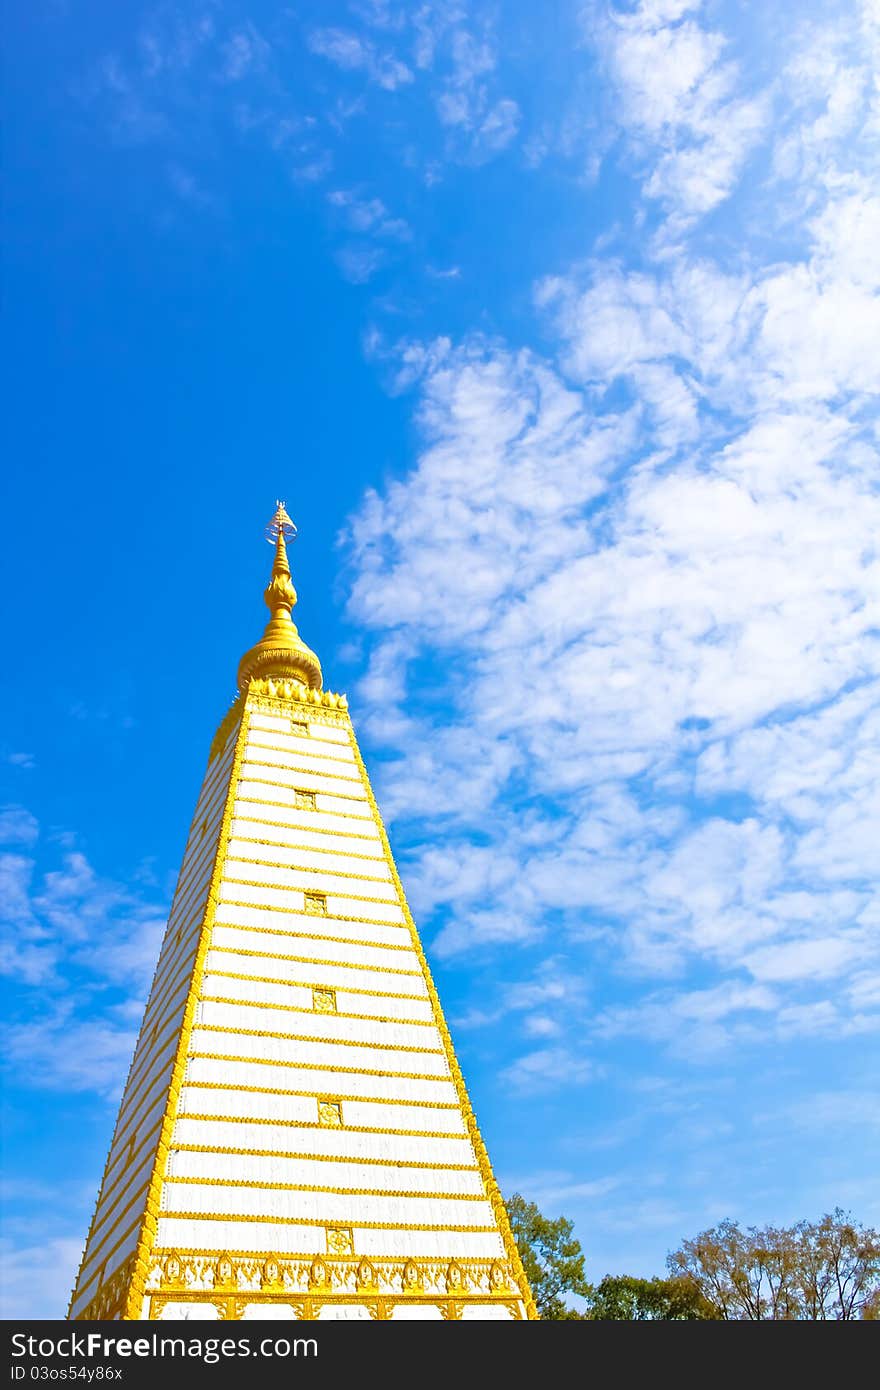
<point x="295" y="1139"/>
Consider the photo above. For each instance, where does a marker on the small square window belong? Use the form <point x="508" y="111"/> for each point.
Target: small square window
<point x="303" y="800"/>
<point x="324" y="1001"/>
<point x="299" y="726"/>
<point x="329" y="1113"/>
<point x="204" y="829"/>
<point x="315" y="904"/>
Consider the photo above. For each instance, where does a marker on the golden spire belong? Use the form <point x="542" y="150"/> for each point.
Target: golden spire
<point x="281" y="653"/>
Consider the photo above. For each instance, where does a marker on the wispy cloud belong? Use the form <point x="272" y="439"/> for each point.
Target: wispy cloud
<point x="355" y="53"/>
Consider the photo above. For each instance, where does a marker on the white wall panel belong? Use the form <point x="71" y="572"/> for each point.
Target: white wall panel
<point x="303" y="758"/>
<point x="334" y="733"/>
<point x="444" y="1245"/>
<point x="335" y="785"/>
<point x="336" y="804"/>
<point x="143" y="1121"/>
<point x="293" y="1051"/>
<point x="96" y="1256"/>
<point x="299" y="972"/>
<point x="383" y="1006"/>
<point x="249" y="1105"/>
<point x="313" y="1024"/>
<point x="259" y="720"/>
<point x="260" y="809"/>
<point x="333" y="813"/>
<point x="296" y="997"/>
<point x="283" y="1205"/>
<point x="306" y="836"/>
<point x="386" y="934"/>
<point x="119" y="1193"/>
<point x="323" y="879"/>
<point x="375" y="1115"/>
<point x="343" y="906"/>
<point x="241" y="1235"/>
<point x="339" y="1143"/>
<point x="317" y="1081"/>
<point x="284" y="739"/>
<point x="312" y="947"/>
<point x="487" y="1312"/>
<point x="189" y="1312"/>
<point x="343" y="859"/>
<point x="342" y="1174"/>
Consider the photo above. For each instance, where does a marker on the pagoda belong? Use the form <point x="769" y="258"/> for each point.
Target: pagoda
<point x="294" y="1139"/>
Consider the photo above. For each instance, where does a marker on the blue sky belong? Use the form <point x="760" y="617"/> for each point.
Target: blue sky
<point x="556" y="326"/>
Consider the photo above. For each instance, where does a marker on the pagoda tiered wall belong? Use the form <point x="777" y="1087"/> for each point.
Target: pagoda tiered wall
<point x="306" y="1146"/>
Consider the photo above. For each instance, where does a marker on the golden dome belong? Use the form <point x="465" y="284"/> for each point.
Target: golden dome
<point x="281" y="653"/>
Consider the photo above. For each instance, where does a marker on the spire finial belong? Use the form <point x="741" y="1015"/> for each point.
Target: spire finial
<point x="281" y="653"/>
<point x="280" y="525"/>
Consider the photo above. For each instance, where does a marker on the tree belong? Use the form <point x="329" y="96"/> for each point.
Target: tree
<point x="552" y="1258"/>
<point x="827" y="1270"/>
<point x="623" y="1297"/>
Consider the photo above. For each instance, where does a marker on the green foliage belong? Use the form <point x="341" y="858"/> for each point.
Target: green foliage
<point x="821" y="1271"/>
<point x="622" y="1297"/>
<point x="814" y="1271"/>
<point x="552" y="1258"/>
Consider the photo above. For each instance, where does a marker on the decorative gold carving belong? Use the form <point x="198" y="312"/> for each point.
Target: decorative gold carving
<point x="455" y="1280"/>
<point x="324" y="1001"/>
<point x="303" y="800"/>
<point x="330" y="1113"/>
<point x="270" y="1274"/>
<point x="340" y="1240"/>
<point x="277" y="693"/>
<point x="498" y="1278"/>
<point x="225" y="1274"/>
<point x="315" y="904"/>
<point x="172" y="1271"/>
<point x="306" y="1284"/>
<point x="451" y="1311"/>
<point x="411" y="1280"/>
<point x="109" y="1300"/>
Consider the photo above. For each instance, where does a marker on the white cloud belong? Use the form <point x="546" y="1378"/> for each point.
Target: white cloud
<point x="480" y="123"/>
<point x="359" y="262"/>
<point x="369" y="215"/>
<point x="18" y="826"/>
<point x="37" y="1278"/>
<point x="62" y="1053"/>
<point x="636" y="604"/>
<point x="23" y="760"/>
<point x="547" y="1068"/>
<point x="90" y="944"/>
<point x="355" y="54"/>
<point x="691" y="134"/>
